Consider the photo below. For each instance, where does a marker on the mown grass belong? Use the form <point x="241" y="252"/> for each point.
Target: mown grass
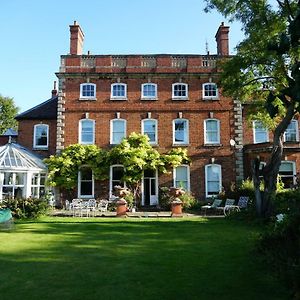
<point x="194" y="258"/>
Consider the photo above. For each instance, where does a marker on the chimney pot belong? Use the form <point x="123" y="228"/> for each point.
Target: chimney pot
<point x="54" y="91"/>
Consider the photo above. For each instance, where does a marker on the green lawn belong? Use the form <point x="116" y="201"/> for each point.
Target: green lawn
<point x="192" y="258"/>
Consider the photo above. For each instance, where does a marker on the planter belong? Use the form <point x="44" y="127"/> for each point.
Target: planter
<point x="121" y="208"/>
<point x="176" y="206"/>
<point x="176" y="192"/>
<point x="121" y="191"/>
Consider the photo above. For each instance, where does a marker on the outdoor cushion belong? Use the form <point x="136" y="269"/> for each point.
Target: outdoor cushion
<point x="5" y="215"/>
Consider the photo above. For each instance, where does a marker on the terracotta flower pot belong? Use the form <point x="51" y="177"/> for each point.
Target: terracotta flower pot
<point x="176" y="208"/>
<point x="121" y="208"/>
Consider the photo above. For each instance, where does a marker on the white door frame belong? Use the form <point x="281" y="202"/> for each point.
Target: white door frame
<point x="154" y="198"/>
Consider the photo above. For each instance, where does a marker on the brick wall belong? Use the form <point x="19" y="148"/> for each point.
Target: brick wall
<point x="26" y="131"/>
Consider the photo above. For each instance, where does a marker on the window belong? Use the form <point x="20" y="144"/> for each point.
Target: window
<point x="116" y="174"/>
<point x="292" y="134"/>
<point x="210" y="91"/>
<point x="41" y="133"/>
<point x="149" y="127"/>
<point x="180" y="131"/>
<point x="85" y="183"/>
<point x="149" y="91"/>
<point x="179" y="91"/>
<point x="212" y="131"/>
<point x="287" y="172"/>
<point x="13" y="185"/>
<point x="182" y="177"/>
<point x="118" y="91"/>
<point x="117" y="131"/>
<point x="88" y="91"/>
<point x="86" y="132"/>
<point x="260" y="133"/>
<point x="38" y="185"/>
<point x="213" y="181"/>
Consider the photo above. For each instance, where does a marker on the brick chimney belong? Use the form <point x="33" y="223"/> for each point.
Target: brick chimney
<point x="54" y="91"/>
<point x="76" y="39"/>
<point x="222" y="40"/>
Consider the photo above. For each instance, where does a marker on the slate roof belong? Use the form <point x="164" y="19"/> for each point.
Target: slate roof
<point x="46" y="110"/>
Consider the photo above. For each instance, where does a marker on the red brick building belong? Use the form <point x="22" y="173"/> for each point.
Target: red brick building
<point x="174" y="99"/>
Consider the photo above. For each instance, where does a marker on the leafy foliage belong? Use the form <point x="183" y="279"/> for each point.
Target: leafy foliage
<point x="266" y="71"/>
<point x="29" y="208"/>
<point x="135" y="153"/>
<point x="280" y="249"/>
<point x="63" y="168"/>
<point x="8" y="111"/>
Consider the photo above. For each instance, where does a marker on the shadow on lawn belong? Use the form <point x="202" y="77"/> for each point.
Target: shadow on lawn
<point x="128" y="259"/>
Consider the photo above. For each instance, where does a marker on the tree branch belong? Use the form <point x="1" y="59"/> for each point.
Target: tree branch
<point x="259" y="78"/>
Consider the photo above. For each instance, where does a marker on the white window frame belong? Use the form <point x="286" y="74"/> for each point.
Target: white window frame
<point x="254" y="131"/>
<point x="186" y="97"/>
<point x="143" y="130"/>
<point x="216" y="97"/>
<point x="35" y="146"/>
<point x="186" y="141"/>
<point x="206" y="178"/>
<point x="82" y="97"/>
<point x="80" y="132"/>
<point x="38" y="186"/>
<point x="188" y="177"/>
<point x="218" y="132"/>
<point x="112" y="97"/>
<point x="79" y="185"/>
<point x="111" y="188"/>
<point x="297" y="132"/>
<point x="293" y="163"/>
<point x="148" y="97"/>
<point x="112" y="132"/>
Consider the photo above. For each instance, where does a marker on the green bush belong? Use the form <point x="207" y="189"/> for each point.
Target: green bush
<point x="280" y="249"/>
<point x="29" y="208"/>
<point x="188" y="200"/>
<point x="287" y="201"/>
<point x="164" y="198"/>
<point x="130" y="200"/>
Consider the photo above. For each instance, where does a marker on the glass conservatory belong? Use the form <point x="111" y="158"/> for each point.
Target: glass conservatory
<point x="22" y="174"/>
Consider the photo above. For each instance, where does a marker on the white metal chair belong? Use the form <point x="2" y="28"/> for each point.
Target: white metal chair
<point x="228" y="202"/>
<point x="102" y="205"/>
<point x="76" y="207"/>
<point x="92" y="206"/>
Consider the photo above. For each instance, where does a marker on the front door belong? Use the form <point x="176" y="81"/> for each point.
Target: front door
<point x="150" y="191"/>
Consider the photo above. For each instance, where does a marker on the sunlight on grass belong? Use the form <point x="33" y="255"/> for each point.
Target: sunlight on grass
<point x="148" y="258"/>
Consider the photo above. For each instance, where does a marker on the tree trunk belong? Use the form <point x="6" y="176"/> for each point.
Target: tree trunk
<point x="271" y="169"/>
<point x="256" y="183"/>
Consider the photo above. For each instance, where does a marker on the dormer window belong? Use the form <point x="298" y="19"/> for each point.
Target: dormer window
<point x="179" y="91"/>
<point x="210" y="91"/>
<point x="118" y="91"/>
<point x="40" y="138"/>
<point x="149" y="91"/>
<point x="88" y="91"/>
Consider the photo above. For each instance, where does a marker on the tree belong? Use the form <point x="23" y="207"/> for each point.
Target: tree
<point x="63" y="168"/>
<point x="137" y="155"/>
<point x="8" y="111"/>
<point x="134" y="153"/>
<point x="266" y="71"/>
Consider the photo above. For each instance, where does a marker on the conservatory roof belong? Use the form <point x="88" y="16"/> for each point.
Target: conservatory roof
<point x="14" y="156"/>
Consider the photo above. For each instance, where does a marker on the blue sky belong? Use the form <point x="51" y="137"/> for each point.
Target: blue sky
<point x="34" y="33"/>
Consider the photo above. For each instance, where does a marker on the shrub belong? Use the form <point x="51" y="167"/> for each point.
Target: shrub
<point x="287" y="201"/>
<point x="280" y="249"/>
<point x="188" y="200"/>
<point x="29" y="208"/>
<point x="164" y="198"/>
<point x="130" y="199"/>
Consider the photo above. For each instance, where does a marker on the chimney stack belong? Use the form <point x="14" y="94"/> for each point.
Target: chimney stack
<point x="76" y="39"/>
<point x="54" y="91"/>
<point x="222" y="40"/>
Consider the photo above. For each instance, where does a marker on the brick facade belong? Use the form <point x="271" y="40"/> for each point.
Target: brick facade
<point x="134" y="70"/>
